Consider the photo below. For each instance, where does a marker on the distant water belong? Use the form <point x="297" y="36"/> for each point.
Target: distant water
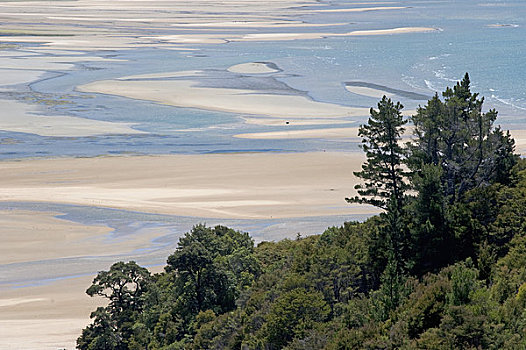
<point x="485" y="38"/>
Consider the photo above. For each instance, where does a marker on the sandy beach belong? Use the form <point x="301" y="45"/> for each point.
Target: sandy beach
<point x="327" y="133"/>
<point x="222" y="185"/>
<point x="136" y="16"/>
<point x="237" y="185"/>
<point x="45" y="317"/>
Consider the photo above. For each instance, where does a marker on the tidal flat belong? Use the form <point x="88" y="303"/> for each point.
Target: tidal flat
<point x="124" y="123"/>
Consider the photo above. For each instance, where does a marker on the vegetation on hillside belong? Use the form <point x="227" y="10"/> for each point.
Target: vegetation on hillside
<point x="443" y="267"/>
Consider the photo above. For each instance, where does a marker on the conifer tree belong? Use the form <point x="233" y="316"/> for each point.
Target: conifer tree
<point x="384" y="184"/>
<point x="455" y="149"/>
<point x="382" y="172"/>
<point x="457" y="136"/>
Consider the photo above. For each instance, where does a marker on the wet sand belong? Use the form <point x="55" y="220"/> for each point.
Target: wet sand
<point x="20" y="117"/>
<point x="187" y="93"/>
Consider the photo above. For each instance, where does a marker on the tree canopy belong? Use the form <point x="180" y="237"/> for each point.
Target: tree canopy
<point x="443" y="267"/>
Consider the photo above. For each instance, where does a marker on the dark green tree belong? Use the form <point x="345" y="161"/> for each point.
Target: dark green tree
<point x="431" y="238"/>
<point x="455" y="150"/>
<point x="211" y="266"/>
<point x="102" y="334"/>
<point x="123" y="285"/>
<point x="382" y="172"/>
<point x="458" y="136"/>
<point x="294" y="314"/>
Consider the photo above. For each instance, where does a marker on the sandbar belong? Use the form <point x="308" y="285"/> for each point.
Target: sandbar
<point x="364" y="9"/>
<point x="369" y="92"/>
<point x="254" y="68"/>
<point x="328" y="133"/>
<point x="20" y="117"/>
<point x="37" y="236"/>
<point x="45" y="317"/>
<point x="378" y="91"/>
<point x="292" y="122"/>
<point x="18" y="76"/>
<point x="188" y="93"/>
<point x="210" y="38"/>
<point x="249" y="185"/>
<point x="256" y="24"/>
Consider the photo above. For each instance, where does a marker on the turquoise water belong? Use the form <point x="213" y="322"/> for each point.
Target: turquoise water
<point x="486" y="39"/>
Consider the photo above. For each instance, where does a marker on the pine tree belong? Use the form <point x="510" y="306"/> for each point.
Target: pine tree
<point x="385" y="184"/>
<point x="382" y="171"/>
<point x="457" y="136"/>
<point x="455" y="150"/>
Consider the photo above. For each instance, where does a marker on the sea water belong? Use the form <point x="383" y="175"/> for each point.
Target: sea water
<point x="485" y="38"/>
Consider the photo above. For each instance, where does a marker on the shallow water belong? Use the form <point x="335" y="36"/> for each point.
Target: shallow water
<point x="134" y="225"/>
<point x="486" y="39"/>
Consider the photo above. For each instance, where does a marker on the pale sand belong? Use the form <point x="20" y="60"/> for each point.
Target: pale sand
<point x="18" y="76"/>
<point x="45" y="317"/>
<point x="252" y="68"/>
<point x="520" y="141"/>
<point x="401" y="30"/>
<point x="224" y="38"/>
<point x="187" y="93"/>
<point x="94" y="43"/>
<point x="19" y="117"/>
<point x="26" y="236"/>
<point x="126" y="30"/>
<point x="49" y="63"/>
<point x="256" y="24"/>
<point x="291" y="122"/>
<point x="364" y="9"/>
<point x="187" y="73"/>
<point x="33" y="236"/>
<point x="222" y="185"/>
<point x="329" y="133"/>
<point x="63" y="19"/>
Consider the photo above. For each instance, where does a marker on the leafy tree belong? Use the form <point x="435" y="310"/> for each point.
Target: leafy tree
<point x="293" y="314"/>
<point x="101" y="334"/>
<point x="211" y="267"/>
<point x="431" y="239"/>
<point x="455" y="150"/>
<point x="123" y="285"/>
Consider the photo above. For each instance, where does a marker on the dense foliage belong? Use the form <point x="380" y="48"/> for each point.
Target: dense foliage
<point x="444" y="267"/>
